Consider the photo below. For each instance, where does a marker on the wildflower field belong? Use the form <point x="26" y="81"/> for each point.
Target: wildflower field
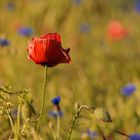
<point x="90" y="52"/>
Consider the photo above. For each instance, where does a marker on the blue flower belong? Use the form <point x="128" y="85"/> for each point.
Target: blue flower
<point x="88" y="134"/>
<point x="4" y="42"/>
<point x="25" y="31"/>
<point x="91" y="134"/>
<point x="10" y="6"/>
<point x="55" y="113"/>
<point x="84" y="28"/>
<point x="14" y="112"/>
<point x="76" y="2"/>
<point x="134" y="137"/>
<point x="137" y="6"/>
<point x="128" y="89"/>
<point x="56" y="100"/>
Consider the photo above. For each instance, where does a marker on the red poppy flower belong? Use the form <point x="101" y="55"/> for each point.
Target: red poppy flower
<point x="116" y="31"/>
<point x="47" y="50"/>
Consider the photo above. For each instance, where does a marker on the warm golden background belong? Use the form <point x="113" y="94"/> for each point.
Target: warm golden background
<point x="100" y="67"/>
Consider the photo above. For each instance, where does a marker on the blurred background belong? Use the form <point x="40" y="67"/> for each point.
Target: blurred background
<point x="103" y="36"/>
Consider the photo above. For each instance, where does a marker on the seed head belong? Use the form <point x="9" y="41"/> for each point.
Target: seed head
<point x="102" y="114"/>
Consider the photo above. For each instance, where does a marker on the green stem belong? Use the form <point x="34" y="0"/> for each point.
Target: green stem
<point x="43" y="98"/>
<point x="53" y="133"/>
<point x="120" y="133"/>
<point x="9" y="92"/>
<point x="12" y="125"/>
<point x="18" y="120"/>
<point x="58" y="126"/>
<point x="75" y="118"/>
<point x="101" y="132"/>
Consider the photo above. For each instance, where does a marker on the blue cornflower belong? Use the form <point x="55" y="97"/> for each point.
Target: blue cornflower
<point x="56" y="100"/>
<point x="54" y="113"/>
<point x="76" y="2"/>
<point x="128" y="89"/>
<point x="14" y="112"/>
<point x="10" y="6"/>
<point x="4" y="42"/>
<point x="137" y="6"/>
<point x="56" y="107"/>
<point x="84" y="28"/>
<point x="91" y="134"/>
<point x="25" y="31"/>
<point x="134" y="137"/>
<point x="88" y="134"/>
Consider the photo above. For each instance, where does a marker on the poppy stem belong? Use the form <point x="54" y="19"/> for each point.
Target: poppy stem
<point x="91" y="109"/>
<point x="43" y="98"/>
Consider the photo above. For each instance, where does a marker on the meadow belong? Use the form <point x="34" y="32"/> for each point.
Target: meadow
<point x="102" y="66"/>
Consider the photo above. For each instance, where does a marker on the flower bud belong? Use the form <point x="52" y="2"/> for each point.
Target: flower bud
<point x="102" y="114"/>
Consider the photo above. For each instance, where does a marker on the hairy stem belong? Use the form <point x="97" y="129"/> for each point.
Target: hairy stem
<point x="9" y="92"/>
<point x="53" y="133"/>
<point x="58" y="126"/>
<point x="75" y="118"/>
<point x="120" y="133"/>
<point x="101" y="132"/>
<point x="18" y="120"/>
<point x="13" y="128"/>
<point x="43" y="98"/>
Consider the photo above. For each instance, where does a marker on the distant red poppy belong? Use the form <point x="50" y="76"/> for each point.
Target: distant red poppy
<point x="116" y="31"/>
<point x="47" y="50"/>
